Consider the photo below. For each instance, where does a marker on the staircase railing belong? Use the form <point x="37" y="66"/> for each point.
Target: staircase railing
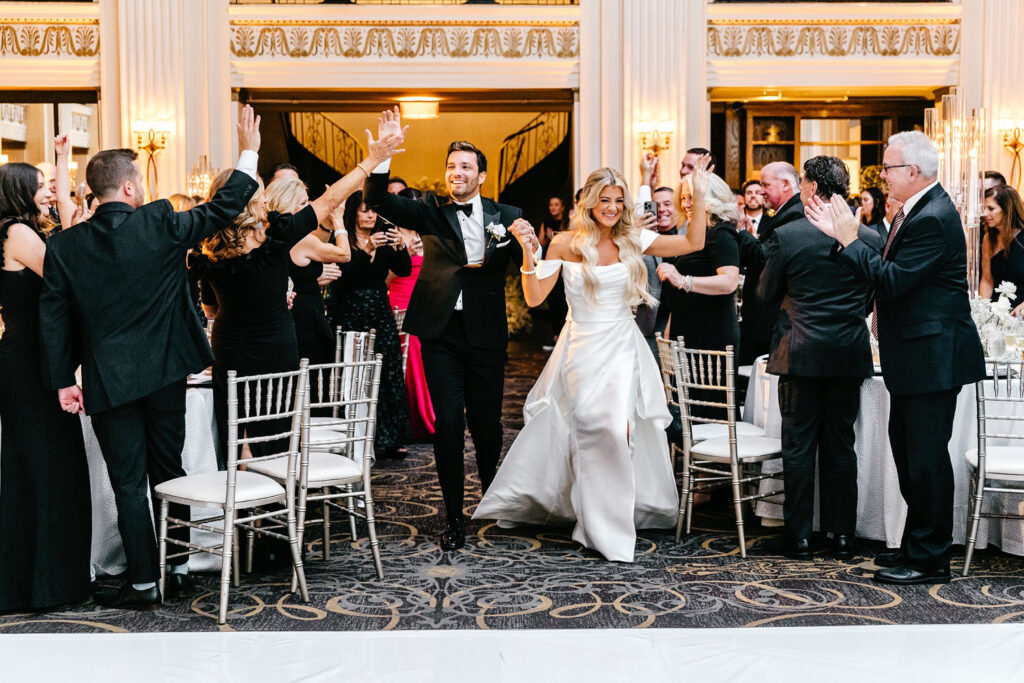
<point x="328" y="141"/>
<point x="525" y="148"/>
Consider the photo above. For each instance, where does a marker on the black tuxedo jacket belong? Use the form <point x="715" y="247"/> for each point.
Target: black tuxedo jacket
<point x="120" y="279"/>
<point x="926" y="337"/>
<point x="445" y="273"/>
<point x="758" y="318"/>
<point x="820" y="329"/>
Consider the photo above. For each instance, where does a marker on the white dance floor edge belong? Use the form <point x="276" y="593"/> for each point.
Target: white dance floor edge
<point x="838" y="654"/>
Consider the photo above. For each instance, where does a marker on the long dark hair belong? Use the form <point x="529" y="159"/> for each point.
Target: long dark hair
<point x="18" y="186"/>
<point x="351" y="216"/>
<point x="1013" y="216"/>
<point x="878" y="211"/>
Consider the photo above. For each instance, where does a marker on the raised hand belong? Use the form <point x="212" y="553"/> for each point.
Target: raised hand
<point x="648" y="169"/>
<point x="385" y="148"/>
<point x="248" y="129"/>
<point x="62" y="145"/>
<point x="389" y="123"/>
<point x="820" y="215"/>
<point x="845" y="223"/>
<point x="524" y="232"/>
<point x="701" y="170"/>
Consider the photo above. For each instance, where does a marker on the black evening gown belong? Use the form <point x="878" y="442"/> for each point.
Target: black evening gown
<point x="253" y="332"/>
<point x="1010" y="268"/>
<point x="45" y="506"/>
<point x="312" y="329"/>
<point x="704" y="321"/>
<point x="359" y="303"/>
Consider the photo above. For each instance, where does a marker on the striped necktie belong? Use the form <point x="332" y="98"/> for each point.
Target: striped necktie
<point x="897" y="222"/>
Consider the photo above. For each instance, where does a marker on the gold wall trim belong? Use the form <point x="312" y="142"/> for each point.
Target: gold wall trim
<point x="840" y="38"/>
<point x="59" y="37"/>
<point x="405" y="40"/>
<point x="834" y="22"/>
<point x="399" y="22"/>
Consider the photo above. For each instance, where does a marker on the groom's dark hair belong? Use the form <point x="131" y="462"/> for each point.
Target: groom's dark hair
<point x="463" y="146"/>
<point x="109" y="169"/>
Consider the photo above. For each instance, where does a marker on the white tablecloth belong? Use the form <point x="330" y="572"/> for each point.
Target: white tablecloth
<point x="881" y="511"/>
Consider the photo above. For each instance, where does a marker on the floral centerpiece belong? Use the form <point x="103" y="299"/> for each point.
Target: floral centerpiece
<point x="995" y="322"/>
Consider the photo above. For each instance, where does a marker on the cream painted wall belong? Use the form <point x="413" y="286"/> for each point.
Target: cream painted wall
<point x="428" y="140"/>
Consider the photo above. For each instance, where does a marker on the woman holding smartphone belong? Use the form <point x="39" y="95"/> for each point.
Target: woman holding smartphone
<point x="359" y="302"/>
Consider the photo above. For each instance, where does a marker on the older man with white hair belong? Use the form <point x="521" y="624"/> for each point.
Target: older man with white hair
<point x="928" y="344"/>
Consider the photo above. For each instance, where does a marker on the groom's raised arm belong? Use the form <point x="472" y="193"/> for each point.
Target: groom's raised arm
<point x="403" y="212"/>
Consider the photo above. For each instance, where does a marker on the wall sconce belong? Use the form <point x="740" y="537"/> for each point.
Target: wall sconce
<point x="419" y="107"/>
<point x="201" y="177"/>
<point x="655" y="137"/>
<point x="1012" y="131"/>
<point x="151" y="138"/>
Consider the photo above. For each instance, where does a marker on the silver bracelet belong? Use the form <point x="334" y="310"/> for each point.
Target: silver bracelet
<point x="340" y="231"/>
<point x="688" y="284"/>
<point x="528" y="272"/>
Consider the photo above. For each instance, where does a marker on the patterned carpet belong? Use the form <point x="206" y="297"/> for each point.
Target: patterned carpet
<point x="532" y="578"/>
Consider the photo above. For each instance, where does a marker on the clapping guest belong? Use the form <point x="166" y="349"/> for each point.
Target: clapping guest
<point x="1002" y="251"/>
<point x="359" y="302"/>
<point x="114" y="299"/>
<point x="699" y="288"/>
<point x="244" y="269"/>
<point x="45" y="526"/>
<point x="821" y="352"/>
<point x="753" y="207"/>
<point x="928" y="343"/>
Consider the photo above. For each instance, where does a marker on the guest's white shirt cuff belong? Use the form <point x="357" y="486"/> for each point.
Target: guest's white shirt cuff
<point x="248" y="161"/>
<point x="383" y="167"/>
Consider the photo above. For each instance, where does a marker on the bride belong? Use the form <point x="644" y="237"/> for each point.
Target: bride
<point x="593" y="450"/>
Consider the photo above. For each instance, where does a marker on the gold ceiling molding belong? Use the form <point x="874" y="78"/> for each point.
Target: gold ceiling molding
<point x="834" y="38"/>
<point x="58" y="37"/>
<point x="405" y="39"/>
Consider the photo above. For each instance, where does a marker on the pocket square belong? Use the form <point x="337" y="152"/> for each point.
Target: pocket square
<point x="499" y="245"/>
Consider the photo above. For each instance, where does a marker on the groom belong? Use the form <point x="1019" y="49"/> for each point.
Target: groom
<point x="457" y="310"/>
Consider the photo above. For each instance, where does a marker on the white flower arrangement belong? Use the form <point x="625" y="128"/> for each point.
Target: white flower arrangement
<point x="995" y="322"/>
<point x="495" y="230"/>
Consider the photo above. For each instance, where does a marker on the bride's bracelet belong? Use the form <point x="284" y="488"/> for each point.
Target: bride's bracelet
<point x="528" y="272"/>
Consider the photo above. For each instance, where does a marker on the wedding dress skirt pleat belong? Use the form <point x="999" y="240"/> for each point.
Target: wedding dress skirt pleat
<point x="593" y="450"/>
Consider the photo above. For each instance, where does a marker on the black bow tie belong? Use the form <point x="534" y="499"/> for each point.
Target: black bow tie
<point x="465" y="208"/>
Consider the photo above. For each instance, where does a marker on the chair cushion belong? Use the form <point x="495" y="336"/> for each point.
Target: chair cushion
<point x="211" y="487"/>
<point x="325" y="438"/>
<point x="747" y="448"/>
<point x="1008" y="460"/>
<point x="325" y="423"/>
<point x="703" y="432"/>
<point x="323" y="467"/>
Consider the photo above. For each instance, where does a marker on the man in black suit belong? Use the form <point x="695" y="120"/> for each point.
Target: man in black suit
<point x="116" y="284"/>
<point x="928" y="344"/>
<point x="457" y="310"/>
<point x="821" y="352"/>
<point x="781" y="185"/>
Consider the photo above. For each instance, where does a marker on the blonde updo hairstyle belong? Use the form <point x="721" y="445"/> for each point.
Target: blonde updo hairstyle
<point x="286" y="195"/>
<point x="585" y="234"/>
<point x="719" y="202"/>
<point x="230" y="241"/>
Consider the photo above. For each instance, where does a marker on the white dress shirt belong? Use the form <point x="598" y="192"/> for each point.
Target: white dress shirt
<point x="472" y="236"/>
<point x="248" y="160"/>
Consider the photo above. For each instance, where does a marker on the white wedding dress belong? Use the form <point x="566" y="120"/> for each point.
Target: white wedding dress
<point x="593" y="450"/>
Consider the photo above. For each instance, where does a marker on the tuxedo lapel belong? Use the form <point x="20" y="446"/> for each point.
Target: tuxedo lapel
<point x="491" y="215"/>
<point x="451" y="213"/>
<point x="924" y="201"/>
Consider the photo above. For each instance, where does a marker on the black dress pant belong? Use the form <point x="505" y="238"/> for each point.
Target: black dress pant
<point x="817" y="416"/>
<point x="920" y="427"/>
<point x="466" y="385"/>
<point x="142" y="443"/>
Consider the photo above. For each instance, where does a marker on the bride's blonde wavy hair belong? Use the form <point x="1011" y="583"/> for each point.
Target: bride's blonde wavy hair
<point x="585" y="235"/>
<point x="230" y="241"/>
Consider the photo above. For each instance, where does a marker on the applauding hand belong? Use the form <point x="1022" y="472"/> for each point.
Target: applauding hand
<point x="248" y="130"/>
<point x="390" y="136"/>
<point x="62" y="145"/>
<point x="699" y="177"/>
<point x="833" y="218"/>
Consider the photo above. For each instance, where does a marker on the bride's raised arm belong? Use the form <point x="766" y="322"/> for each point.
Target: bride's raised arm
<point x="537" y="285"/>
<point x="693" y="240"/>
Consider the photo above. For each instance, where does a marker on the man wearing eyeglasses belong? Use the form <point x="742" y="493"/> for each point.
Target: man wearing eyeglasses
<point x="928" y="344"/>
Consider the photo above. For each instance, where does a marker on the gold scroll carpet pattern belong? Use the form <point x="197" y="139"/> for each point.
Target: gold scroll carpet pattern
<point x="534" y="577"/>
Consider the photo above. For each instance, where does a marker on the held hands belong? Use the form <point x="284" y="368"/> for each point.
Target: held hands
<point x="833" y="218"/>
<point x="71" y="399"/>
<point x="62" y="145"/>
<point x="331" y="272"/>
<point x="668" y="273"/>
<point x="524" y="232"/>
<point x="248" y="130"/>
<point x="699" y="177"/>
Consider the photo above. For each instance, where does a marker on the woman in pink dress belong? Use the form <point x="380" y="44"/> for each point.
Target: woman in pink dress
<point x="421" y="410"/>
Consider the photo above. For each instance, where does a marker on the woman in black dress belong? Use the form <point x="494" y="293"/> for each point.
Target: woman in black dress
<point x="700" y="288"/>
<point x="45" y="508"/>
<point x="872" y="211"/>
<point x="359" y="302"/>
<point x="1002" y="250"/>
<point x="244" y="283"/>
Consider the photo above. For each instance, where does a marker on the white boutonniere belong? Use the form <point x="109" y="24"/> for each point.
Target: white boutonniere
<point x="496" y="231"/>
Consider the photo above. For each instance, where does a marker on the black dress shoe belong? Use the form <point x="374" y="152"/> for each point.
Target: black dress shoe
<point x="178" y="586"/>
<point x="908" y="576"/>
<point x="844" y="546"/>
<point x="793" y="548"/>
<point x="129" y="598"/>
<point x="891" y="558"/>
<point x="454" y="536"/>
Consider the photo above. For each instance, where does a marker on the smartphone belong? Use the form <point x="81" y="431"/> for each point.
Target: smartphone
<point x="649" y="207"/>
